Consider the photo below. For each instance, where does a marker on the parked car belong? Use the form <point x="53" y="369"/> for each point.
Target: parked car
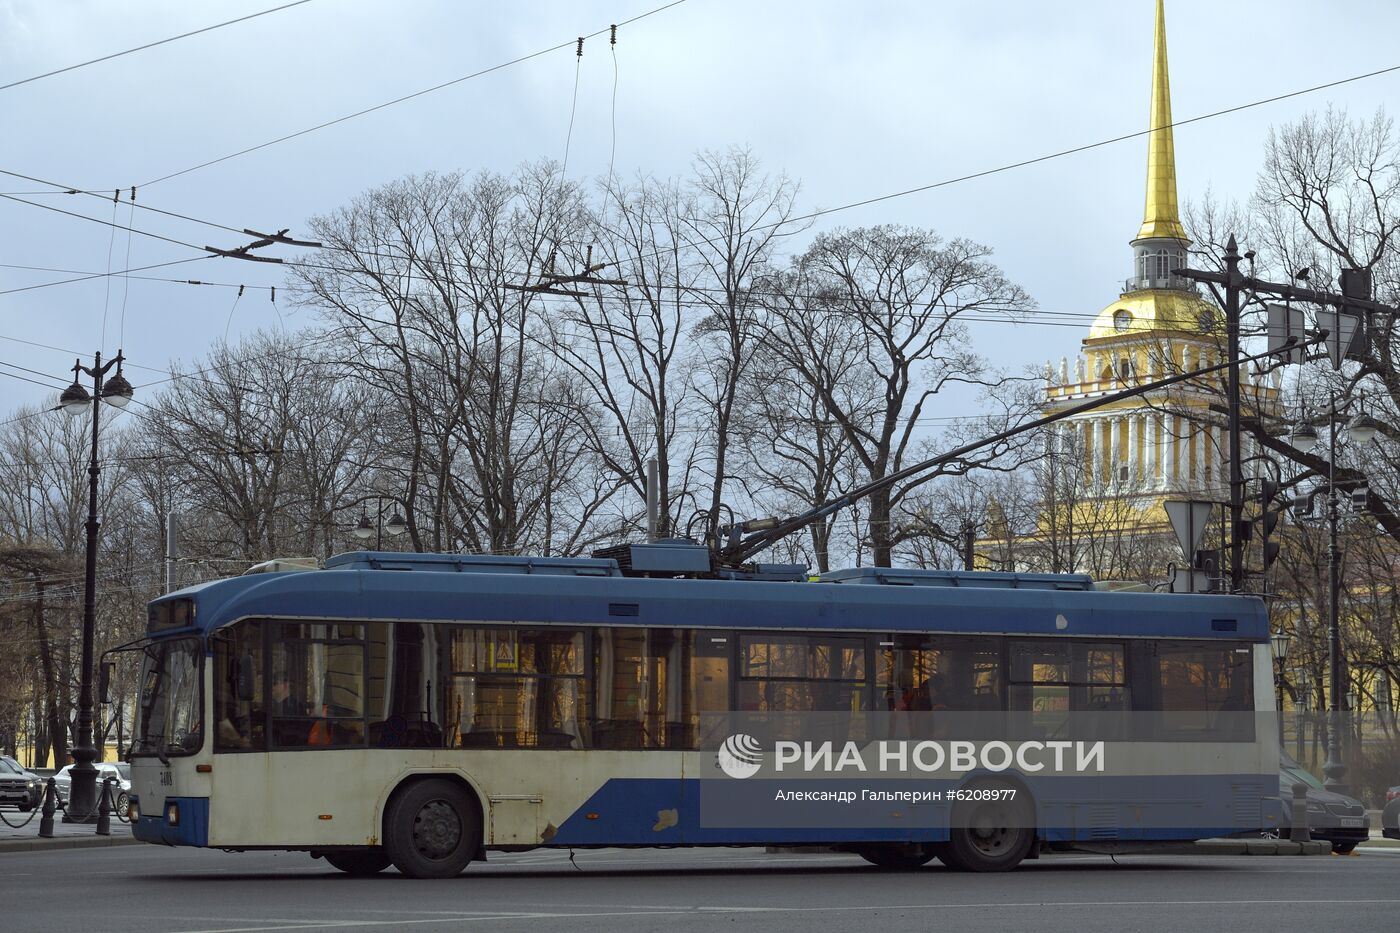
<point x="1390" y="816"/>
<point x="18" y="785"/>
<point x="1339" y="819"/>
<point x="120" y="770"/>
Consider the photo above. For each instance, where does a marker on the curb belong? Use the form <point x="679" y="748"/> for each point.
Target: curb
<point x="1262" y="847"/>
<point x="37" y="844"/>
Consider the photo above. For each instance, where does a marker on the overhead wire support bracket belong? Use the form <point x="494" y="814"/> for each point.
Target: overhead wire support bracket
<point x="241" y="253"/>
<point x="263" y="239"/>
<point x="548" y="288"/>
<point x="550" y="281"/>
<point x="281" y="237"/>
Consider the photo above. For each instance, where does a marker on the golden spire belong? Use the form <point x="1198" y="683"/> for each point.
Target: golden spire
<point x="1160" y="217"/>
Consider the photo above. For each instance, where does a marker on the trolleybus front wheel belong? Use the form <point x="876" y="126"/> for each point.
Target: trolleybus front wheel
<point x="361" y="862"/>
<point x="432" y="828"/>
<point x="991" y="834"/>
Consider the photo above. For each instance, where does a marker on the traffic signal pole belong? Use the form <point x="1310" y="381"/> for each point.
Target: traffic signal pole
<point x="1355" y="300"/>
<point x="1232" y="392"/>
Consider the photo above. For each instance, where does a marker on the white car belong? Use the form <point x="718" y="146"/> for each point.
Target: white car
<point x="121" y="792"/>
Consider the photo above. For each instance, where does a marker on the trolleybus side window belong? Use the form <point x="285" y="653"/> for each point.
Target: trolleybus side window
<point x="401" y="681"/>
<point x="938" y="672"/>
<point x="790" y="672"/>
<point x="652" y="687"/>
<point x="316" y="684"/>
<point x="1052" y="679"/>
<point x="706" y="687"/>
<point x="515" y="688"/>
<point x="239" y="709"/>
<point x="1204" y="690"/>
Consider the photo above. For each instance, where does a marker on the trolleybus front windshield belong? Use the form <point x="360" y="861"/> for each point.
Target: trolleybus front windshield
<point x="168" y="716"/>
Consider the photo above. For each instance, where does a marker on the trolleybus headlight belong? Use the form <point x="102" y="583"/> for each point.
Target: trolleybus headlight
<point x="172" y="814"/>
<point x="133" y="810"/>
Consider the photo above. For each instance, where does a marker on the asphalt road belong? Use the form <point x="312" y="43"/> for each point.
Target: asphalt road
<point x="154" y="890"/>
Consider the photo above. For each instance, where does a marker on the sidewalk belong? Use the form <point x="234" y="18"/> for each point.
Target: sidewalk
<point x="1377" y="841"/>
<point x="65" y="835"/>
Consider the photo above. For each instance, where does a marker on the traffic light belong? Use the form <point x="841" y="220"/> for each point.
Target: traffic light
<point x="1208" y="560"/>
<point x="1269" y="514"/>
<point x="1359" y="497"/>
<point x="1268" y="521"/>
<point x="1356" y="283"/>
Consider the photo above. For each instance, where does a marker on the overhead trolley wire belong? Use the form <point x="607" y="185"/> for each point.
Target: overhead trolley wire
<point x="4" y="372"/>
<point x="99" y="275"/>
<point x="98" y="220"/>
<point x="150" y="45"/>
<point x="811" y="215"/>
<point x="61" y="188"/>
<point x="406" y="97"/>
<point x="1023" y="163"/>
<point x="808" y="216"/>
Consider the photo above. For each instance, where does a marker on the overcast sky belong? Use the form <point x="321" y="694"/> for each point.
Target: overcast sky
<point x="855" y="100"/>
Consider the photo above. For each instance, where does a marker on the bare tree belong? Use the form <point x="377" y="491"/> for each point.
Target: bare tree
<point x="903" y="294"/>
<point x="428" y="287"/>
<point x="797" y="455"/>
<point x="264" y="448"/>
<point x="626" y="344"/>
<point x="735" y="217"/>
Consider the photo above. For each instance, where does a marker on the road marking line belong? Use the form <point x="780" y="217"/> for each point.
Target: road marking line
<point x="540" y="915"/>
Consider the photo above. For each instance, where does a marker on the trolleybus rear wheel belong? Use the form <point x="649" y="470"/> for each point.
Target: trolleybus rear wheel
<point x="432" y="829"/>
<point x="897" y="856"/>
<point x="989" y="835"/>
<point x="359" y="861"/>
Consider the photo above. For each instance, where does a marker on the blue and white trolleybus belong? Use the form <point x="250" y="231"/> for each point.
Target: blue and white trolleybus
<point x="421" y="710"/>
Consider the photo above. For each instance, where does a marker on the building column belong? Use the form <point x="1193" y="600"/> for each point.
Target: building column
<point x="1115" y="443"/>
<point x="1090" y="450"/>
<point x="1100" y="450"/>
<point x="1153" y="426"/>
<point x="1175" y="451"/>
<point x="1134" y="461"/>
<point x="1144" y="471"/>
<point x="1215" y="453"/>
<point x="1159" y="450"/>
<point x="1200" y="457"/>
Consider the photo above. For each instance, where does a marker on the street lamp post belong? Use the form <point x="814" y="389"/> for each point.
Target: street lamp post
<point x="1300" y="711"/>
<point x="1361" y="430"/>
<point x="395" y="526"/>
<point x="117" y="392"/>
<point x="1279" y="640"/>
